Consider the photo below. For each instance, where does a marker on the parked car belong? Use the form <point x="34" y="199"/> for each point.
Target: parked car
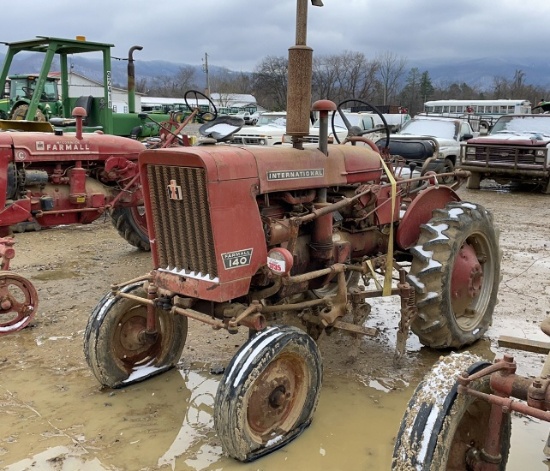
<point x="248" y="118"/>
<point x="430" y="143"/>
<point x="363" y="121"/>
<point x="515" y="150"/>
<point x="268" y="131"/>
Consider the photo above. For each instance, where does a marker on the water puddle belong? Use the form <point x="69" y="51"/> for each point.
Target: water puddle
<point x="66" y="422"/>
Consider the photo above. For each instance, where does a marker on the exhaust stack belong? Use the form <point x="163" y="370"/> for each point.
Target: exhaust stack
<point x="300" y="65"/>
<point x="132" y="79"/>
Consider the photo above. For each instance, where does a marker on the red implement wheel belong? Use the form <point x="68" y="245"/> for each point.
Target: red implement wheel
<point x="116" y="349"/>
<point x="442" y="430"/>
<point x="268" y="393"/>
<point x="456" y="273"/>
<point x="18" y="302"/>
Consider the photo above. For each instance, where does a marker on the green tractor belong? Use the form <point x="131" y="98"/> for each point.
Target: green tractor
<point x="19" y="92"/>
<point x="32" y="110"/>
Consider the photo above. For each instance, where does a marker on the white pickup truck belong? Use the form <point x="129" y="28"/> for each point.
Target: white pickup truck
<point x="268" y="131"/>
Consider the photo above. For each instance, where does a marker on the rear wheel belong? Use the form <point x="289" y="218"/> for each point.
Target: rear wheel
<point x="116" y="350"/>
<point x="443" y="430"/>
<point x="268" y="393"/>
<point x="132" y="226"/>
<point x="456" y="273"/>
<point x="20" y="112"/>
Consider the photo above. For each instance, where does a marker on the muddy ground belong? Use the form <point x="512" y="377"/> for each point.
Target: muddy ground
<point x="54" y="415"/>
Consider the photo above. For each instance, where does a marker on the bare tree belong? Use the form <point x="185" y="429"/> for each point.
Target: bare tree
<point x="391" y="70"/>
<point x="271" y="82"/>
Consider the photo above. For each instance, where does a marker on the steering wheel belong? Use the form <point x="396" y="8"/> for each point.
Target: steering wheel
<point x="195" y="95"/>
<point x="28" y="91"/>
<point x="355" y="130"/>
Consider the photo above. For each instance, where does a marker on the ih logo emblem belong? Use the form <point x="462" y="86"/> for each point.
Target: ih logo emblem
<point x="174" y="191"/>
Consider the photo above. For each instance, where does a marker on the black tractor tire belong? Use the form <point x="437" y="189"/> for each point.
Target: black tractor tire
<point x="20" y="112"/>
<point x="474" y="181"/>
<point x="455" y="272"/>
<point x="132" y="227"/>
<point x="114" y="351"/>
<point x="442" y="429"/>
<point x="268" y="393"/>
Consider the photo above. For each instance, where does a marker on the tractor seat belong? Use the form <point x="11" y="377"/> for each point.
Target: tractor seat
<point x="222" y="128"/>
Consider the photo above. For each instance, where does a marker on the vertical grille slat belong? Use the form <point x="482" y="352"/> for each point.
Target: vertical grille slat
<point x="182" y="226"/>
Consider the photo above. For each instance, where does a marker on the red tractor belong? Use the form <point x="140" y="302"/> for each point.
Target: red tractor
<point x="48" y="179"/>
<point x="245" y="236"/>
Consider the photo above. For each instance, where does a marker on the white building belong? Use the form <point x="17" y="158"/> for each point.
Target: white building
<point x="83" y="86"/>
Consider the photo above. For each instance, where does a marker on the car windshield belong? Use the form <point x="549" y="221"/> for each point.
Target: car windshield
<point x="275" y="120"/>
<point x="354" y="120"/>
<point x="522" y="124"/>
<point x="430" y="127"/>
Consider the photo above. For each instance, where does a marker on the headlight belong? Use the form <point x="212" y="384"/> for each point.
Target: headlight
<point x="541" y="153"/>
<point x="470" y="150"/>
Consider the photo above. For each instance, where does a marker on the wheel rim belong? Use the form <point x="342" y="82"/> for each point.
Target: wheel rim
<point x="18" y="302"/>
<point x="472" y="281"/>
<point x="277" y="397"/>
<point x="131" y="348"/>
<point x="469" y="436"/>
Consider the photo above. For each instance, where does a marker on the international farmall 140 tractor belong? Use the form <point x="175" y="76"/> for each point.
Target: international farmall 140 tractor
<point x="241" y="235"/>
<point x="64" y="177"/>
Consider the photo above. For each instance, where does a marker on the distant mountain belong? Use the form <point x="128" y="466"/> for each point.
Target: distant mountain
<point x="27" y="63"/>
<point x="476" y="72"/>
<point x="482" y="72"/>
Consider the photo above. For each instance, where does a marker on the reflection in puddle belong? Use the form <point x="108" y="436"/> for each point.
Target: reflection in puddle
<point x="59" y="458"/>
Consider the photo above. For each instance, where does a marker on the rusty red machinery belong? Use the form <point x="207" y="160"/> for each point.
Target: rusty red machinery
<point x="246" y="236"/>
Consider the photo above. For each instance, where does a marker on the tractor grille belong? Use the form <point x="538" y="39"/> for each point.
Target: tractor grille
<point x="182" y="220"/>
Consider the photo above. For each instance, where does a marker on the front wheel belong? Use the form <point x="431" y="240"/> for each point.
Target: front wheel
<point x="455" y="272"/>
<point x="443" y="430"/>
<point x="116" y="349"/>
<point x="268" y="393"/>
<point x="132" y="226"/>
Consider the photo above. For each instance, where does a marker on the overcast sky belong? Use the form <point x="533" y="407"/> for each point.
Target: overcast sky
<point x="238" y="34"/>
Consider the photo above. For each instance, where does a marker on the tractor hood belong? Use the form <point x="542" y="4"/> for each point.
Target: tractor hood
<point x="278" y="168"/>
<point x="34" y="146"/>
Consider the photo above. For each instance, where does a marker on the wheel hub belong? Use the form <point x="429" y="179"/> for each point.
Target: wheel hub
<point x="467" y="278"/>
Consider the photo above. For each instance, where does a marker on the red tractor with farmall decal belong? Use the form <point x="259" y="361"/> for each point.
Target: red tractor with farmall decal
<point x="242" y="236"/>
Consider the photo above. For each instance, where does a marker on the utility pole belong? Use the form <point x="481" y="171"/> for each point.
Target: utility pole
<point x="205" y="70"/>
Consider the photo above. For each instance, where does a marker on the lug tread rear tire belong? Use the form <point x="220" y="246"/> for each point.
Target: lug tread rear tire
<point x="129" y="229"/>
<point x="431" y="271"/>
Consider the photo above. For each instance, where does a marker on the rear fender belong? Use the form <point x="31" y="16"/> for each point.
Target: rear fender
<point x="420" y="212"/>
